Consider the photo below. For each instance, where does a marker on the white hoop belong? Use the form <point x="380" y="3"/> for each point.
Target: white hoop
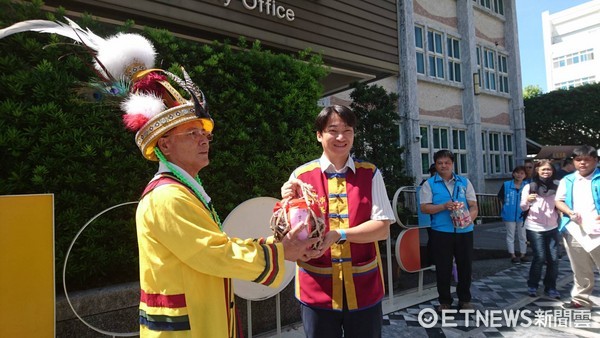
<point x="108" y="333"/>
<point x="250" y="219"/>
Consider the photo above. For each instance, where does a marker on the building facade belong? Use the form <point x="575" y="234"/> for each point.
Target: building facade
<point x="454" y="63"/>
<point x="460" y="87"/>
<point x="571" y="46"/>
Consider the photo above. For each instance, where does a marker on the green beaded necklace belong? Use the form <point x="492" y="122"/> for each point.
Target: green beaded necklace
<point x="184" y="180"/>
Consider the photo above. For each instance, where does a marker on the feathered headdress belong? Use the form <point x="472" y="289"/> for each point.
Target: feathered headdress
<point x="124" y="65"/>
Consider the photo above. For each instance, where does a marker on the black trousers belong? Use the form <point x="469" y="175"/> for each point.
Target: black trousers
<point x="365" y="323"/>
<point x="449" y="247"/>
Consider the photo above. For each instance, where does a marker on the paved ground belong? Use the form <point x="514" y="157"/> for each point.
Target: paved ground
<point x="497" y="285"/>
<point x="505" y="290"/>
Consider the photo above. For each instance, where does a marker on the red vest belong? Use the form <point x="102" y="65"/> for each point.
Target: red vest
<point x="351" y="270"/>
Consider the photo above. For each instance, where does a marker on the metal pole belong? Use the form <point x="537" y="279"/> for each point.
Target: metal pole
<point x="249" y="309"/>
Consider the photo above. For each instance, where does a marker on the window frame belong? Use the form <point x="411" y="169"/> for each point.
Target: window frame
<point x="489" y="70"/>
<point x="454" y="63"/>
<point x="435" y="57"/>
<point x="420" y="50"/>
<point x="503" y="73"/>
<point x="435" y="138"/>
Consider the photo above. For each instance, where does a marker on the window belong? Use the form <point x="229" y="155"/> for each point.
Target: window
<point x="424" y="150"/>
<point x="502" y="74"/>
<point x="493" y="70"/>
<point x="495" y="5"/>
<point x="575" y="83"/>
<point x="507" y="147"/>
<point x="479" y="70"/>
<point x="420" y="50"/>
<point x="494" y="153"/>
<point x="459" y="148"/>
<point x="440" y="139"/>
<point x="489" y="69"/>
<point x="484" y="152"/>
<point x="443" y="138"/>
<point x="435" y="50"/>
<point x="499" y="6"/>
<point x="573" y="58"/>
<point x="498" y="154"/>
<point x="453" y="60"/>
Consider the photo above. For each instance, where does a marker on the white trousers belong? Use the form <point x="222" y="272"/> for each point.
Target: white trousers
<point x="519" y="229"/>
<point x="583" y="264"/>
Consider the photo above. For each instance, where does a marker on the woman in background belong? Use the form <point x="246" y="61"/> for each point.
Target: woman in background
<point x="512" y="215"/>
<point x="542" y="228"/>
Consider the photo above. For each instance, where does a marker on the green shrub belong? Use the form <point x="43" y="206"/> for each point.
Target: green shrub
<point x="53" y="141"/>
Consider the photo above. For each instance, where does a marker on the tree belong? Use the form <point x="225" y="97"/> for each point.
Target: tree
<point x="565" y="116"/>
<point x="532" y="91"/>
<point x="377" y="137"/>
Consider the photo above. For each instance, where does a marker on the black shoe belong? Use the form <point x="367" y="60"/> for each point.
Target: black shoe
<point x="465" y="306"/>
<point x="442" y="307"/>
<point x="532" y="292"/>
<point x="515" y="260"/>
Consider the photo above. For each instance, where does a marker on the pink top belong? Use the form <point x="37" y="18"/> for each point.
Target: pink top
<point x="542" y="216"/>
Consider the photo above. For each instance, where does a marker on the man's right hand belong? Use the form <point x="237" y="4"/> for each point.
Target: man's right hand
<point x="291" y="189"/>
<point x="295" y="249"/>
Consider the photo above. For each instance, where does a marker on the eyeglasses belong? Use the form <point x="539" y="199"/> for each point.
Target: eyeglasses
<point x="195" y="134"/>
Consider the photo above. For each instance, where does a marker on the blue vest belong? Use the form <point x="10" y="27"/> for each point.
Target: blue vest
<point x="424" y="220"/>
<point x="441" y="221"/>
<point x="511" y="210"/>
<point x="569" y="180"/>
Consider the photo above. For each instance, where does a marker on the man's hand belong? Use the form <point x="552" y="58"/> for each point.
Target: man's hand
<point x="451" y="205"/>
<point x="291" y="189"/>
<point x="295" y="249"/>
<point x="330" y="238"/>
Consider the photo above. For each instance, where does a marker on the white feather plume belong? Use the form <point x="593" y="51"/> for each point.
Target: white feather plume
<point x="146" y="104"/>
<point x="115" y="54"/>
<point x="119" y="51"/>
<point x="70" y="30"/>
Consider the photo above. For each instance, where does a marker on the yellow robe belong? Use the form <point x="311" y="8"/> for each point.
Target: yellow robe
<point x="186" y="263"/>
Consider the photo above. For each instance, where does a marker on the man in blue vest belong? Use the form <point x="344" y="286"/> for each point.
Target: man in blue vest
<point x="582" y="210"/>
<point x="442" y="194"/>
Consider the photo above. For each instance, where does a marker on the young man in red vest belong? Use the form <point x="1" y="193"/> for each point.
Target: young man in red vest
<point x="340" y="292"/>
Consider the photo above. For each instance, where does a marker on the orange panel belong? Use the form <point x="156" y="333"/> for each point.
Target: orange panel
<point x="408" y="250"/>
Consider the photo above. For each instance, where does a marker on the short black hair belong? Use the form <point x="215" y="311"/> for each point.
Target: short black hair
<point x="567" y="161"/>
<point x="519" y="168"/>
<point x="432" y="169"/>
<point x="345" y="113"/>
<point x="585" y="150"/>
<point x="443" y="153"/>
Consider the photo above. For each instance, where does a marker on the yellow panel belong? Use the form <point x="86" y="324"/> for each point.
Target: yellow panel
<point x="27" y="266"/>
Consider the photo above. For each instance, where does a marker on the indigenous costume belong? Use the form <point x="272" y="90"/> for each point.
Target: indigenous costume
<point x="186" y="260"/>
<point x="350" y="271"/>
<point x="186" y="263"/>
